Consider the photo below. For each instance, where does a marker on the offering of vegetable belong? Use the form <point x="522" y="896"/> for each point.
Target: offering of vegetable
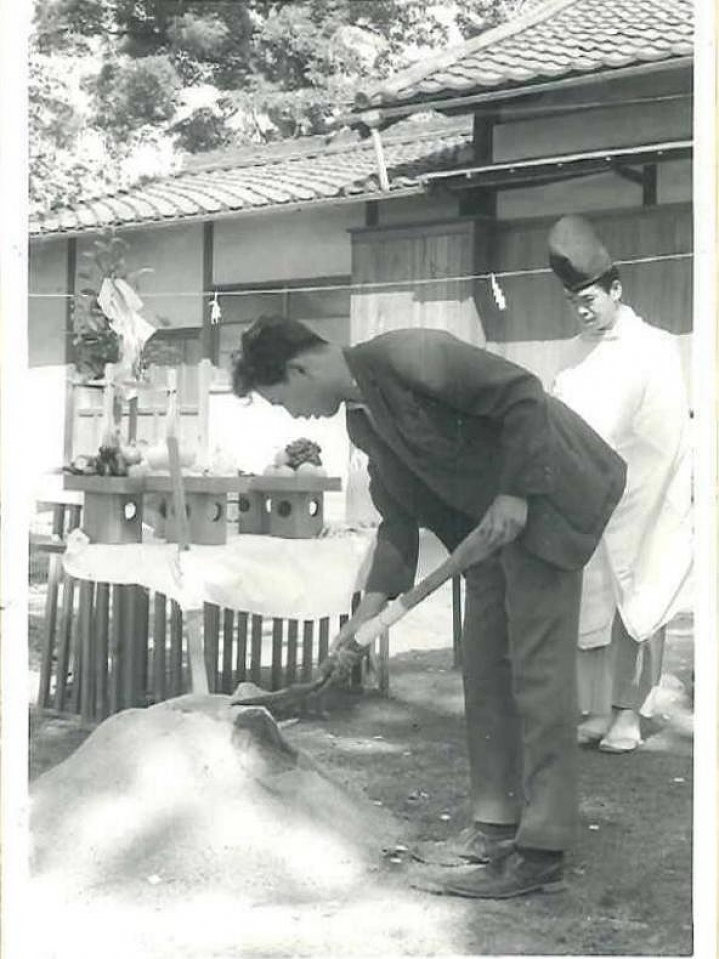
<point x="111" y="462"/>
<point x="300" y="456"/>
<point x="112" y="459"/>
<point x="303" y="451"/>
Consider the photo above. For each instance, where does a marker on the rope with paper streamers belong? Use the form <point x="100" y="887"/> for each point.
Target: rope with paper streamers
<point x="497" y="275"/>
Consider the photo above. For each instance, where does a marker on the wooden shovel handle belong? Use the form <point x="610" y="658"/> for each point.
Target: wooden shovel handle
<point x="178" y="493"/>
<point x="459" y="559"/>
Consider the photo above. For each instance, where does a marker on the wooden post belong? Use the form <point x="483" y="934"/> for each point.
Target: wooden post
<point x="211" y="641"/>
<point x="649" y="184"/>
<point x="63" y="655"/>
<point x="204" y="378"/>
<point x="175" y="650"/>
<point x="159" y="633"/>
<point x="256" y="651"/>
<point x="108" y="404"/>
<point x="307" y="635"/>
<point x="324" y="642"/>
<point x="357" y="673"/>
<point x="208" y="340"/>
<point x="482" y="205"/>
<point x="383" y="656"/>
<point x="142" y="638"/>
<point x="101" y="624"/>
<point x="380" y="159"/>
<point x="129" y="647"/>
<point x="132" y="419"/>
<point x="69" y="426"/>
<point x="55" y="573"/>
<point x="87" y="647"/>
<point x="228" y="628"/>
<point x="457" y="621"/>
<point x="155" y="424"/>
<point x="276" y="671"/>
<point x="77" y="649"/>
<point x="292" y="631"/>
<point x="241" y="661"/>
<point x="116" y="700"/>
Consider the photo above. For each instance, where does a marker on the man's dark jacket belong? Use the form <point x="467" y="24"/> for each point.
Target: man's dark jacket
<point x="447" y="427"/>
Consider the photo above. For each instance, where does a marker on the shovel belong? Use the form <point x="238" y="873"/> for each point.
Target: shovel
<point x="291" y="695"/>
<point x="457" y="561"/>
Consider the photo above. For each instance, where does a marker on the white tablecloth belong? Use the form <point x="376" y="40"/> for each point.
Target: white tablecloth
<point x="265" y="575"/>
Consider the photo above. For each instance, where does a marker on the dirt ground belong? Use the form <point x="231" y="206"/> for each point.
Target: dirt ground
<point x="629" y="876"/>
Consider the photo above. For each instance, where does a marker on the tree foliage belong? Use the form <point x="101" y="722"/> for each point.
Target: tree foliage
<point x="198" y="74"/>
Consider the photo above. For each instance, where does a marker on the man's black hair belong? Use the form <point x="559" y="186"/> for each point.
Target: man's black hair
<point x="265" y="350"/>
<point x="607" y="279"/>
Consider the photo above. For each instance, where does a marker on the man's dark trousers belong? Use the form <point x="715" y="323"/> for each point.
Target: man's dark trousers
<point x="519" y="666"/>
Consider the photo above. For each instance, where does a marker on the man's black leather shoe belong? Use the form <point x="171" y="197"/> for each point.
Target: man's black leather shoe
<point x="514" y="875"/>
<point x="471" y="845"/>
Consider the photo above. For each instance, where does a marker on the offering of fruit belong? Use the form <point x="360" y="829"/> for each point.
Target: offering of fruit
<point x="83" y="465"/>
<point x="273" y="470"/>
<point x="138" y="469"/>
<point x="132" y="453"/>
<point x="112" y="459"/>
<point x="310" y="469"/>
<point x="159" y="459"/>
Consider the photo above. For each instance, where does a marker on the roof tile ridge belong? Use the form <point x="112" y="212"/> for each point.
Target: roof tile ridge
<point x="450" y="56"/>
<point x="319" y="150"/>
<point x="268" y="159"/>
<point x="455" y="129"/>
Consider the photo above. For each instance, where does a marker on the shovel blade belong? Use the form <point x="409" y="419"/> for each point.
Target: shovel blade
<point x="247" y="694"/>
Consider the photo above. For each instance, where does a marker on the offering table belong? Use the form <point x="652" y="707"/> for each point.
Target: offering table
<point x="265" y="604"/>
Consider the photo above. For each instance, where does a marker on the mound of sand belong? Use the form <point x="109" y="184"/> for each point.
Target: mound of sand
<point x="195" y="793"/>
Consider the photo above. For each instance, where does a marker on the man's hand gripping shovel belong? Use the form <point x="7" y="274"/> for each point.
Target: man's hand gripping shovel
<point x="473" y="549"/>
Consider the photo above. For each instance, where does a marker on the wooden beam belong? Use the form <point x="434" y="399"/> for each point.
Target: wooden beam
<point x="379" y="156"/>
<point x="209" y="339"/>
<point x="629" y="173"/>
<point x="482" y="203"/>
<point x="482" y="200"/>
<point x="649" y="185"/>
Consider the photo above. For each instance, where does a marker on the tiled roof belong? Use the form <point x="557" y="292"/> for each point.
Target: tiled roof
<point x="554" y="39"/>
<point x="304" y="172"/>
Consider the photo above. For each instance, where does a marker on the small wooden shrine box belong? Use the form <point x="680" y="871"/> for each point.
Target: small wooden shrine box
<point x="112" y="510"/>
<point x="253" y="512"/>
<point x="206" y="517"/>
<point x="296" y="503"/>
<point x="205" y="503"/>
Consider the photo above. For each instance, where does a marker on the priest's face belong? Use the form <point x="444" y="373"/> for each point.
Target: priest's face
<point x="596" y="308"/>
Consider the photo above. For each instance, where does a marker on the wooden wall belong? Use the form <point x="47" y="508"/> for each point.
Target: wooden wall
<point x="537" y="324"/>
<point x="660" y="291"/>
<point x="406" y="276"/>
